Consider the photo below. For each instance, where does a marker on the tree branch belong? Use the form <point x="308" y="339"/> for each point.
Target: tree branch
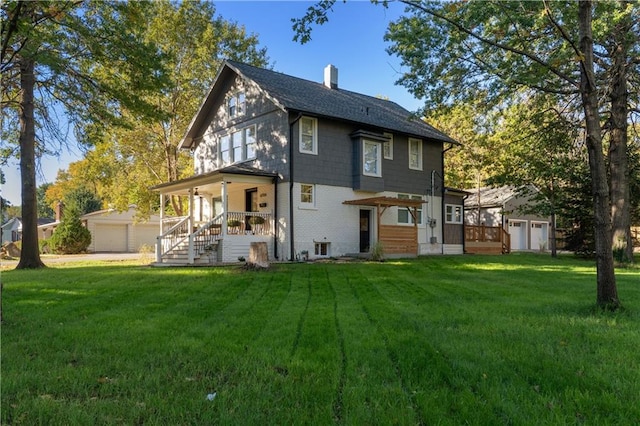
<point x="459" y="27"/>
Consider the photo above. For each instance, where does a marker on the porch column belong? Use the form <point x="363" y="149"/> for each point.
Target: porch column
<point x="224" y="209"/>
<point x="159" y="238"/>
<point x="190" y="223"/>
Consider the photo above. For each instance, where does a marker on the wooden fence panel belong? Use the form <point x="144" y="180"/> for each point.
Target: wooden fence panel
<point x="399" y="239"/>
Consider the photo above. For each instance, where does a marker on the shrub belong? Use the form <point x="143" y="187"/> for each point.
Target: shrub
<point x="70" y="237"/>
<point x="377" y="252"/>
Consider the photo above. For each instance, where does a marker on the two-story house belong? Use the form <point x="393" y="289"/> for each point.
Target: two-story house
<point x="309" y="168"/>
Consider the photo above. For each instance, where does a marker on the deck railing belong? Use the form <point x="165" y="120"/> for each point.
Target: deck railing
<point x="492" y="235"/>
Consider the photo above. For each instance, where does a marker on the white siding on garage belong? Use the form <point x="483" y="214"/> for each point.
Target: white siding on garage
<point x="144" y="235"/>
<point x="111" y="238"/>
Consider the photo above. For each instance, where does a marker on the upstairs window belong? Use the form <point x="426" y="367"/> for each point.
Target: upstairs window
<point x="371" y="161"/>
<point x="236" y="137"/>
<point x="250" y="142"/>
<point x="237" y="146"/>
<point x="415" y="154"/>
<point x="225" y="149"/>
<point x="236" y="105"/>
<point x="387" y="147"/>
<point x="308" y="135"/>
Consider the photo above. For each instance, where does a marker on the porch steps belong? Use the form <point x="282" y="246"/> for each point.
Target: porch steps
<point x="179" y="256"/>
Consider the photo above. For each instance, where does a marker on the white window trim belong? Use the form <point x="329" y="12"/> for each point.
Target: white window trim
<point x="239" y="112"/>
<point x="419" y="144"/>
<point x="379" y="148"/>
<point x="243" y="134"/>
<point x="312" y="204"/>
<point x="389" y="143"/>
<point x="314" y="143"/>
<point x="453" y="208"/>
<point x="317" y="250"/>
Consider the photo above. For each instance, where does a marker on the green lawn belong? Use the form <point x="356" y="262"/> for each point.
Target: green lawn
<point x="439" y="340"/>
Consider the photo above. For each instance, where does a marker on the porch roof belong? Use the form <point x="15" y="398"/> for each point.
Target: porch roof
<point x="214" y="176"/>
<point x="386" y="202"/>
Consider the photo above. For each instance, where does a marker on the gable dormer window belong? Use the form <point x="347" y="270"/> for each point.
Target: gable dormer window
<point x="236" y="105"/>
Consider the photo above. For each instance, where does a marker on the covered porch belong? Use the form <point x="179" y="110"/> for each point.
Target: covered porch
<point x="226" y="211"/>
<point x="395" y="239"/>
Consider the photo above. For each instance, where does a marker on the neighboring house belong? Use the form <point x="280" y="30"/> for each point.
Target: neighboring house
<point x="12" y="230"/>
<point x="503" y="207"/>
<point x="114" y="231"/>
<point x="309" y="168"/>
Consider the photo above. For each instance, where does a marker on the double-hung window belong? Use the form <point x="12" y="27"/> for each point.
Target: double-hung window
<point x="387" y="147"/>
<point x="236" y="138"/>
<point x="225" y="150"/>
<point x="371" y="158"/>
<point x="237" y="146"/>
<point x="453" y="214"/>
<point x="404" y="215"/>
<point x="236" y="105"/>
<point x="250" y="142"/>
<point x="415" y="154"/>
<point x="307" y="195"/>
<point x="309" y="135"/>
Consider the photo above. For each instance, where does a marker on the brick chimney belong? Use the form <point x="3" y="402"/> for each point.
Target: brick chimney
<point x="58" y="211"/>
<point x="331" y="77"/>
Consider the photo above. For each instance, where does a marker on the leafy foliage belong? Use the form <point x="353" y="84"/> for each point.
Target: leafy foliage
<point x="70" y="237"/>
<point x="84" y="60"/>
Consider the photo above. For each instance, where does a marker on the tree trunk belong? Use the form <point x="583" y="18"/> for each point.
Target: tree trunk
<point x="618" y="164"/>
<point x="607" y="292"/>
<point x="30" y="255"/>
<point x="553" y="241"/>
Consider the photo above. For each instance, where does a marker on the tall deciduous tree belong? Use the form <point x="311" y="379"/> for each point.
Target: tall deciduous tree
<point x="84" y="59"/>
<point x="195" y="42"/>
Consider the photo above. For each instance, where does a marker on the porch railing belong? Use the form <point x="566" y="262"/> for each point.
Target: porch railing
<point x="249" y="223"/>
<point x="173" y="236"/>
<point x="206" y="235"/>
<point x="198" y="236"/>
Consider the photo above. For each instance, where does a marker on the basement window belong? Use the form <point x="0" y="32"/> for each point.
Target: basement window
<point x="322" y="249"/>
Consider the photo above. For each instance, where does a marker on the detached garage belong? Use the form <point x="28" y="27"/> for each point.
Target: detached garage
<point x="113" y="231"/>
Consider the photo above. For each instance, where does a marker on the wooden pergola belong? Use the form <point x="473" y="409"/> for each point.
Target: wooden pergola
<point x="396" y="239"/>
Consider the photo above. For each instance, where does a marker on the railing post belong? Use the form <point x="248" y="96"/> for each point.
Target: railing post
<point x="159" y="249"/>
<point x="191" y="249"/>
<point x="223" y="228"/>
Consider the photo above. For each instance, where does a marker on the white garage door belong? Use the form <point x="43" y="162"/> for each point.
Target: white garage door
<point x="539" y="236"/>
<point x="110" y="238"/>
<point x="518" y="232"/>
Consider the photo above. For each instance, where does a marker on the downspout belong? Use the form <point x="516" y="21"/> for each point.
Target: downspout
<point x="291" y="150"/>
<point x="442" y="206"/>
<point x="275" y="218"/>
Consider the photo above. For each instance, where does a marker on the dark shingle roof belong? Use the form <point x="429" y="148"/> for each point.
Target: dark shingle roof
<point x="306" y="96"/>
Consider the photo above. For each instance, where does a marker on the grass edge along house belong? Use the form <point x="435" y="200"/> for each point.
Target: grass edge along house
<point x="309" y="168"/>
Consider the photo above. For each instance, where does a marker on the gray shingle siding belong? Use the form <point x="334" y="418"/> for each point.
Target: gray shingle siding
<point x="274" y="100"/>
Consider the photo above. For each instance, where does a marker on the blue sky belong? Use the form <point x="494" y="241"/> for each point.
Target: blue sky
<point x="352" y="41"/>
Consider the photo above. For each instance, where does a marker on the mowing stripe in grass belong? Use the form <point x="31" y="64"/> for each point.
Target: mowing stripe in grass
<point x="337" y="404"/>
<point x="296" y="340"/>
<point x="391" y="354"/>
